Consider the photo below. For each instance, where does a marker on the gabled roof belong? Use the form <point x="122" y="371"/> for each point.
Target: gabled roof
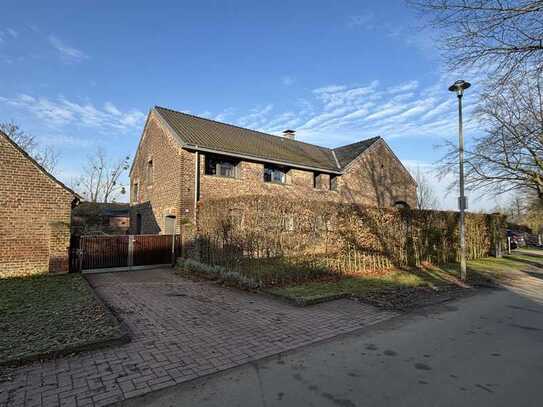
<point x="208" y="135"/>
<point x="200" y="134"/>
<point x="348" y="153"/>
<point x="38" y="166"/>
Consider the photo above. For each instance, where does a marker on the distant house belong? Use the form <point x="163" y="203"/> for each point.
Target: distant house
<point x="98" y="218"/>
<point x="182" y="159"/>
<point x="35" y="212"/>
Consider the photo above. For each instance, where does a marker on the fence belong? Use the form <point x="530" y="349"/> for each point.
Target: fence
<point x="128" y="251"/>
<point x="275" y="241"/>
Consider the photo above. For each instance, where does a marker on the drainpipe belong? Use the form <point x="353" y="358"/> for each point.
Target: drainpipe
<point x="196" y="181"/>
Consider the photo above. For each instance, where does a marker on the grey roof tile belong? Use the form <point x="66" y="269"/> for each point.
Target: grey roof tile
<point x="197" y="132"/>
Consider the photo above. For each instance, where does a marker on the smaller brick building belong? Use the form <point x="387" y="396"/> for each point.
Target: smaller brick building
<point x="35" y="211"/>
<point x="96" y="218"/>
<point x="183" y="159"/>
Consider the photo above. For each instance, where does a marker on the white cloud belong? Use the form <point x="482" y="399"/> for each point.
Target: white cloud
<point x="345" y="113"/>
<point x="61" y="112"/>
<point x="287" y="80"/>
<point x="224" y="115"/>
<point x="7" y="33"/>
<point x="12" y="32"/>
<point x="112" y="109"/>
<point x="257" y="118"/>
<point x="404" y="87"/>
<point x="329" y="89"/>
<point x="67" y="54"/>
<point x="336" y="96"/>
<point x="64" y="140"/>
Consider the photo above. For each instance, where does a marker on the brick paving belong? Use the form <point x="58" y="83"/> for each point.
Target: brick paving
<point x="180" y="330"/>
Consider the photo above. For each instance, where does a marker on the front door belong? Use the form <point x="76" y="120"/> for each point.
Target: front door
<point x="169" y="225"/>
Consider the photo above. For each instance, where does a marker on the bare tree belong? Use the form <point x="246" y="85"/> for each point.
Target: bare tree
<point x="509" y="155"/>
<point x="46" y="156"/>
<point x="505" y="35"/>
<point x="533" y="216"/>
<point x="426" y="197"/>
<point x="101" y="179"/>
<point x="524" y="209"/>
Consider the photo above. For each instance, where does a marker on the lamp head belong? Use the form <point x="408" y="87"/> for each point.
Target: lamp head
<point x="459" y="87"/>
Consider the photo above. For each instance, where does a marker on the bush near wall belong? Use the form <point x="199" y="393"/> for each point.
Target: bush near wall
<point x="274" y="241"/>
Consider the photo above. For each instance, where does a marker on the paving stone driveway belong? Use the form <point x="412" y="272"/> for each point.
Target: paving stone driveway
<point x="180" y="330"/>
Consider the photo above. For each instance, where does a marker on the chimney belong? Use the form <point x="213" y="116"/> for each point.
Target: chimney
<point x="290" y="134"/>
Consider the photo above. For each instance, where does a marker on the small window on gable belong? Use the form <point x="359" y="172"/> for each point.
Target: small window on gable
<point x="221" y="166"/>
<point x="150" y="172"/>
<point x="135" y="192"/>
<point x="333" y="182"/>
<point x="274" y="173"/>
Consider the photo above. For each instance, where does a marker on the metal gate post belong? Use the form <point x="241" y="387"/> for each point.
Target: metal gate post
<point x="173" y="250"/>
<point x="80" y="258"/>
<point x="130" y="260"/>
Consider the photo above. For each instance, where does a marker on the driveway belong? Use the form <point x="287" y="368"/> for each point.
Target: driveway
<point x="180" y="330"/>
<point x="483" y="350"/>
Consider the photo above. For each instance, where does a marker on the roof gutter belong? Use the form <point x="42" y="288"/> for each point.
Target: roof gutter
<point x="256" y="158"/>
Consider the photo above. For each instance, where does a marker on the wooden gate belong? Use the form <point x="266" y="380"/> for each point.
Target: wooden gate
<point x="125" y="252"/>
<point x="153" y="249"/>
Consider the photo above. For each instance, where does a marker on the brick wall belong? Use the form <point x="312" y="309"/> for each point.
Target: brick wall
<point x="250" y="182"/>
<point x="161" y="195"/>
<point x="34" y="217"/>
<point x="377" y="178"/>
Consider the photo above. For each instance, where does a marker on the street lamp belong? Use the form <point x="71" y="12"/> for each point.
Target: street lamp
<point x="459" y="87"/>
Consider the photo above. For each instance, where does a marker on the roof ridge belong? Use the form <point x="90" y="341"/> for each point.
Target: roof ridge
<point x="358" y="142"/>
<point x="243" y="128"/>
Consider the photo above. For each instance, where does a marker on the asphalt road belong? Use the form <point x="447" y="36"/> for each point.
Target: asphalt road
<point x="483" y="350"/>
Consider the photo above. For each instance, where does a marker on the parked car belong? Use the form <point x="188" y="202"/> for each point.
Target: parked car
<point x="517" y="240"/>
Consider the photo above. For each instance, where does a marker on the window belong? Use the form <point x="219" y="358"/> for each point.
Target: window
<point x="223" y="167"/>
<point x="135" y="192"/>
<point x="138" y="224"/>
<point x="273" y="173"/>
<point x="169" y="225"/>
<point x="317" y="180"/>
<point x="333" y="182"/>
<point x="401" y="205"/>
<point x="150" y="172"/>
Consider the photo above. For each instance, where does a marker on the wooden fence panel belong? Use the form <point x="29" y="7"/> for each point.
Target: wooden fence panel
<point x="152" y="249"/>
<point x="104" y="251"/>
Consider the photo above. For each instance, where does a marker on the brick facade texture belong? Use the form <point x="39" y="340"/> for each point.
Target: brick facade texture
<point x="376" y="178"/>
<point x="34" y="217"/>
<point x="158" y="192"/>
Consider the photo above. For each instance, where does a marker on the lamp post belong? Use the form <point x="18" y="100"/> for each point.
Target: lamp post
<point x="459" y="87"/>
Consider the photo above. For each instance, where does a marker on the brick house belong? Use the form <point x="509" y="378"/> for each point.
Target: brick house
<point x="35" y="210"/>
<point x="96" y="218"/>
<point x="182" y="159"/>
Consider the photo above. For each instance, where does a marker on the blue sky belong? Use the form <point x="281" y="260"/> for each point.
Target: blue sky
<point x="85" y="74"/>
